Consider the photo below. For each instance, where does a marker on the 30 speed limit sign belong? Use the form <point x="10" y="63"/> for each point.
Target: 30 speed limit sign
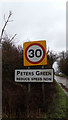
<point x="34" y="53"/>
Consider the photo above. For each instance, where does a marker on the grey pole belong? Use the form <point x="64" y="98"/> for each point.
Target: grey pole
<point x="0" y="81"/>
<point x="29" y="85"/>
<point x="43" y="91"/>
<point x="28" y="106"/>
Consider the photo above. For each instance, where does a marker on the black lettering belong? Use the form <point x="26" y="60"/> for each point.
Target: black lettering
<point x="18" y="72"/>
<point x="48" y="73"/>
<point x="37" y="72"/>
<point x="18" y="78"/>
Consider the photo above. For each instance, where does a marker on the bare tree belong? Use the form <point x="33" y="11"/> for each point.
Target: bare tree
<point x="3" y="29"/>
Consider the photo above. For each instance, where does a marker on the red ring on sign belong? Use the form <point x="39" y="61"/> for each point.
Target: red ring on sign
<point x="40" y="59"/>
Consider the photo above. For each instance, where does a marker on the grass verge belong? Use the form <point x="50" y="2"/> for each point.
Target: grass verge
<point x="61" y="75"/>
<point x="61" y="103"/>
<point x="60" y="107"/>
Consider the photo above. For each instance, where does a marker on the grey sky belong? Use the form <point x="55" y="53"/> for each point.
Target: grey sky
<point x="38" y="21"/>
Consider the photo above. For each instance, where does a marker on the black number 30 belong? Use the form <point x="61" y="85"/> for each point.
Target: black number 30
<point x="36" y="53"/>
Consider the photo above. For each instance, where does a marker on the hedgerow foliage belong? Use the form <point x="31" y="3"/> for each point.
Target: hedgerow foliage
<point x="17" y="103"/>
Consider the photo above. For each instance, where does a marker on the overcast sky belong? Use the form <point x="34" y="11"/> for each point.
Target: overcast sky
<point x="37" y="21"/>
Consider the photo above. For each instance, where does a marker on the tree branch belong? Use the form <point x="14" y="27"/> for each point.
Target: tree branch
<point x="10" y="13"/>
<point x="13" y="37"/>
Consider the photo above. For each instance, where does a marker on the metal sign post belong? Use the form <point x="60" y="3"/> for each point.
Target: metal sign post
<point x="0" y="81"/>
<point x="28" y="112"/>
<point x="43" y="91"/>
<point x="29" y="85"/>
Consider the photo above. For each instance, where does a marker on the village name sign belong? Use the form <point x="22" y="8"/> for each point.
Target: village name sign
<point x="34" y="75"/>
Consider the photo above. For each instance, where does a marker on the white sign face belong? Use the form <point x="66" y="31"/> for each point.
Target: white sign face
<point x="34" y="75"/>
<point x="35" y="53"/>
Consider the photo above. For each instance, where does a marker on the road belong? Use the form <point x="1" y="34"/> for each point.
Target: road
<point x="63" y="82"/>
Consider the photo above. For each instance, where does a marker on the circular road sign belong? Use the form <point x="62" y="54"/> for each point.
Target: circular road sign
<point x="35" y="53"/>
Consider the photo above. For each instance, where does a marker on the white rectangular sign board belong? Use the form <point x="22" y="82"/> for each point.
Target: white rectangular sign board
<point x="34" y="75"/>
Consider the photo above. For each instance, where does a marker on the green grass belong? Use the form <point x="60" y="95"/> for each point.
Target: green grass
<point x="61" y="103"/>
<point x="61" y="75"/>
